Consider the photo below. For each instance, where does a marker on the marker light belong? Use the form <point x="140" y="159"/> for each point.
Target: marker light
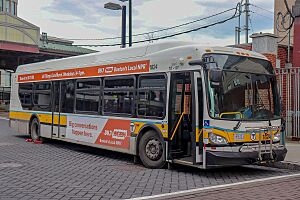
<point x="276" y="137"/>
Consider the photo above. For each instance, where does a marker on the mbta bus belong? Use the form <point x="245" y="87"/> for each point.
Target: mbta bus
<point x="173" y="102"/>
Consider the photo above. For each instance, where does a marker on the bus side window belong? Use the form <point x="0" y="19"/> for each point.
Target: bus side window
<point x="68" y="96"/>
<point x="151" y="100"/>
<point x="88" y="95"/>
<point x="25" y="95"/>
<point x="42" y="96"/>
<point x="118" y="95"/>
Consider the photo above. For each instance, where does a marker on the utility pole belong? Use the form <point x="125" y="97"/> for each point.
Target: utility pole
<point x="247" y="15"/>
<point x="130" y="23"/>
<point x="238" y="28"/>
<point x="123" y="27"/>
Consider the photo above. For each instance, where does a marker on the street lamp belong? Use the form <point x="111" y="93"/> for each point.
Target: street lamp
<point x="114" y="6"/>
<point x="130" y="20"/>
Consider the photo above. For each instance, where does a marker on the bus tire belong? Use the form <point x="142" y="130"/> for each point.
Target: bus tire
<point x="151" y="150"/>
<point x="35" y="130"/>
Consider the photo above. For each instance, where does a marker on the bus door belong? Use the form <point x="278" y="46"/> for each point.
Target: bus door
<point x="63" y="102"/>
<point x="199" y="116"/>
<point x="182" y="118"/>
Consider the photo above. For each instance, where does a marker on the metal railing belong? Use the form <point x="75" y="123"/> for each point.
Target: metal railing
<point x="289" y="90"/>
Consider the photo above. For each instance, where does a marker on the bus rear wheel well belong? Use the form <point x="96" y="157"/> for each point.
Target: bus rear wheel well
<point x="144" y="130"/>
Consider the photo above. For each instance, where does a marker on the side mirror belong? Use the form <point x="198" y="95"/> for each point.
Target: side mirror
<point x="215" y="76"/>
<point x="196" y="62"/>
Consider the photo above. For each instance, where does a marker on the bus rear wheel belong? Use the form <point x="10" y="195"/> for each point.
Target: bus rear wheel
<point x="151" y="150"/>
<point x="35" y="129"/>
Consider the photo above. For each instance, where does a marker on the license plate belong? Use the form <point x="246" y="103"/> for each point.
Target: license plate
<point x="239" y="136"/>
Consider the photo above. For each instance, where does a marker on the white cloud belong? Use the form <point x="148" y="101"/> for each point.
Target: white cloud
<point x="166" y="13"/>
<point x="85" y="19"/>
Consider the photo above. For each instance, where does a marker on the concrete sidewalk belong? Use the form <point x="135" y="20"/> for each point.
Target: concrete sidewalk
<point x="4" y="114"/>
<point x="293" y="154"/>
<point x="292" y="159"/>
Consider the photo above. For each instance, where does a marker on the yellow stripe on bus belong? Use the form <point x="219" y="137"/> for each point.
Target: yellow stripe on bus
<point x="162" y="127"/>
<point x="230" y="135"/>
<point x="43" y="117"/>
<point x="20" y="115"/>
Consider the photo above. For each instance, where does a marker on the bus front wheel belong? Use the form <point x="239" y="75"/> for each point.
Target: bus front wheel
<point x="35" y="129"/>
<point x="151" y="150"/>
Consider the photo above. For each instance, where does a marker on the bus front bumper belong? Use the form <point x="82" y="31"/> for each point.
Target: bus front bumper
<point x="225" y="158"/>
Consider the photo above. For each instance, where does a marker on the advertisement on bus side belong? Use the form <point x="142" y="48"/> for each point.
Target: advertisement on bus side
<point x="107" y="132"/>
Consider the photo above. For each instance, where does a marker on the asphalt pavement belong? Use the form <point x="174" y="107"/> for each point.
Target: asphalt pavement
<point x="59" y="170"/>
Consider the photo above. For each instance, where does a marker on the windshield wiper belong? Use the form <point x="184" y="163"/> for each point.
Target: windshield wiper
<point x="237" y="126"/>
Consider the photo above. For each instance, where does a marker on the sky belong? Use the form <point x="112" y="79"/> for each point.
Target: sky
<point x="73" y="19"/>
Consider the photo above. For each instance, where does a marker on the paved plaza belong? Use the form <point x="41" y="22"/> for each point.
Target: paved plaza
<point x="58" y="170"/>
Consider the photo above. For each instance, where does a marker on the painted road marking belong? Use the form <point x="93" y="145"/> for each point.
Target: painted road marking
<point x="189" y="192"/>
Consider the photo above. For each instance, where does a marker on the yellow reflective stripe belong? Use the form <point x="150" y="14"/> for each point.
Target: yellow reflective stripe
<point x="20" y="115"/>
<point x="43" y="118"/>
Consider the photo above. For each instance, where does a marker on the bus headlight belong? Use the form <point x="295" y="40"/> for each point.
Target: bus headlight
<point x="217" y="139"/>
<point x="276" y="137"/>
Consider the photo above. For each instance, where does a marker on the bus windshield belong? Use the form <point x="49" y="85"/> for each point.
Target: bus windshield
<point x="246" y="89"/>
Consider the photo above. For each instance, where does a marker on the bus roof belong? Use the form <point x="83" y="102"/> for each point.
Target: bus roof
<point x="123" y="55"/>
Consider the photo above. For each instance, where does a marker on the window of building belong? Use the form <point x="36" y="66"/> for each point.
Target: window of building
<point x="151" y="98"/>
<point x="118" y="97"/>
<point x="42" y="96"/>
<point x="1" y="5"/>
<point x="7" y="76"/>
<point x="88" y="95"/>
<point x="68" y="96"/>
<point x="25" y="95"/>
<point x="13" y="8"/>
<point x="7" y="6"/>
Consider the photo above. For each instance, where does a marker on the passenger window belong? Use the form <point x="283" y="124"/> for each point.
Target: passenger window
<point x="118" y="95"/>
<point x="25" y="95"/>
<point x="152" y="96"/>
<point x="88" y="95"/>
<point x="42" y="96"/>
<point x="68" y="96"/>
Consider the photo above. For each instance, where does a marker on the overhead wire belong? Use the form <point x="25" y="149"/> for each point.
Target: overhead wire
<point x="283" y="37"/>
<point x="261" y="15"/>
<point x="170" y="28"/>
<point x="164" y="29"/>
<point x="256" y="6"/>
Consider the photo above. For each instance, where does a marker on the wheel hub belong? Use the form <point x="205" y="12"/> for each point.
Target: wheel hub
<point x="154" y="149"/>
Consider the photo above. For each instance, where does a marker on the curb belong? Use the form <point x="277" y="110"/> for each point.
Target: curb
<point x="4" y="118"/>
<point x="284" y="165"/>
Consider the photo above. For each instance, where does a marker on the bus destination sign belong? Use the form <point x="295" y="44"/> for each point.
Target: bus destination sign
<point x="104" y="70"/>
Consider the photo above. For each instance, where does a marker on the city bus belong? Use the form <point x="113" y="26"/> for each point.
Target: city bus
<point x="163" y="103"/>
